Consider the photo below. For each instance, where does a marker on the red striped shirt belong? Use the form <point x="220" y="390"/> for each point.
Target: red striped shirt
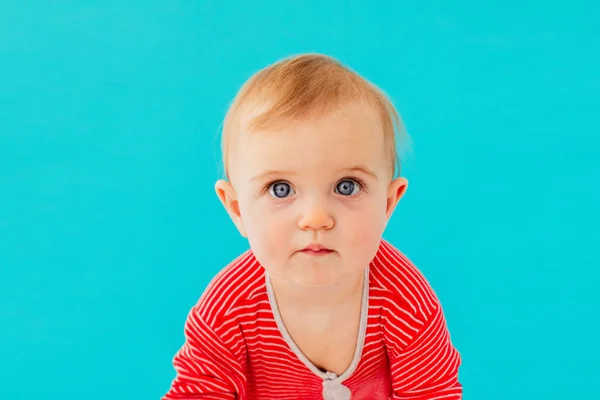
<point x="235" y="348"/>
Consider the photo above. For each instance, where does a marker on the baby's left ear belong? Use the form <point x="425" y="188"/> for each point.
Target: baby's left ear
<point x="396" y="190"/>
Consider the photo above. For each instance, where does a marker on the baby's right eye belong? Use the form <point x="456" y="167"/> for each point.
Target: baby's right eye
<point x="280" y="190"/>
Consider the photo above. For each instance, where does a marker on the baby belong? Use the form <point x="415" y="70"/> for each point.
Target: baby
<point x="320" y="307"/>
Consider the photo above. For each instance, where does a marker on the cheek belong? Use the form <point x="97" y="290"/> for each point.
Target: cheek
<point x="268" y="230"/>
<point x="365" y="225"/>
<point x="363" y="228"/>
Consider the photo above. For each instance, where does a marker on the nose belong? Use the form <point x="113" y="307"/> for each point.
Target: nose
<point x="316" y="217"/>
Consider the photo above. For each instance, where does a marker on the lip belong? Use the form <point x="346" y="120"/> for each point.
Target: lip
<point x="316" y="249"/>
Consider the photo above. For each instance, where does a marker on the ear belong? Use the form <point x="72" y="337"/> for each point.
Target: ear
<point x="226" y="193"/>
<point x="396" y="190"/>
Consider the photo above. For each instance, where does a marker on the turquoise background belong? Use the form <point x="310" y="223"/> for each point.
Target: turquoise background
<point x="110" y="229"/>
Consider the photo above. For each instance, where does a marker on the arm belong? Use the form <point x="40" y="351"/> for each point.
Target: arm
<point x="206" y="369"/>
<point x="427" y="369"/>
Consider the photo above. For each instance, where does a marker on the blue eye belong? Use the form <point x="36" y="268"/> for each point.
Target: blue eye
<point x="280" y="190"/>
<point x="347" y="187"/>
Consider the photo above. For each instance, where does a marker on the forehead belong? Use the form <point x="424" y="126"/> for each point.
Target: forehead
<point x="352" y="135"/>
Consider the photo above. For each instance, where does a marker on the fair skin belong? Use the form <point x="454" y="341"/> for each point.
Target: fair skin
<point x="326" y="183"/>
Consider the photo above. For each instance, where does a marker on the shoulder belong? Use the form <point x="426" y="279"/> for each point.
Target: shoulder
<point x="237" y="283"/>
<point x="402" y="284"/>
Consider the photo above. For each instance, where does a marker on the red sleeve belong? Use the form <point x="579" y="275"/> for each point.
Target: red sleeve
<point x="206" y="368"/>
<point x="427" y="368"/>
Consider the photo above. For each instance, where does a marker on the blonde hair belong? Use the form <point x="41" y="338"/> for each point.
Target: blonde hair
<point x="307" y="86"/>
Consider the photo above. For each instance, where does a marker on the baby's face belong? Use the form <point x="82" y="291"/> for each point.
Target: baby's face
<point x="325" y="183"/>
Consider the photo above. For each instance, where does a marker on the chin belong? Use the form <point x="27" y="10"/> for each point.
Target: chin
<point x="314" y="283"/>
<point x="316" y="277"/>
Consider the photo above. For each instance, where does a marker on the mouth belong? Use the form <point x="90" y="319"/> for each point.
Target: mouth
<point x="316" y="250"/>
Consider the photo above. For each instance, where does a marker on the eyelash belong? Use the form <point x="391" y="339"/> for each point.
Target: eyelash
<point x="360" y="183"/>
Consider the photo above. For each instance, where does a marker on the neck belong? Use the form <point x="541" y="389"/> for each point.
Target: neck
<point x="319" y="300"/>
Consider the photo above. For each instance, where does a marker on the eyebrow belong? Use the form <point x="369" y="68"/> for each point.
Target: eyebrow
<point x="267" y="174"/>
<point x="361" y="168"/>
<point x="356" y="168"/>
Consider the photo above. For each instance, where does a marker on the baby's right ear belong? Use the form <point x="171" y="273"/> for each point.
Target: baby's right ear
<point x="226" y="193"/>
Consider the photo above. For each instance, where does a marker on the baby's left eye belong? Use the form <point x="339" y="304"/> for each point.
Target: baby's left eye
<point x="347" y="187"/>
